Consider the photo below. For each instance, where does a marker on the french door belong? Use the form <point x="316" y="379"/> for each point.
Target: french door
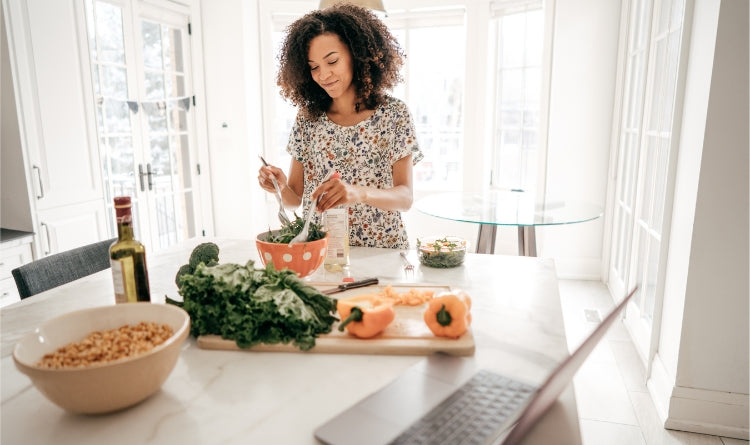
<point x="648" y="126"/>
<point x="141" y="75"/>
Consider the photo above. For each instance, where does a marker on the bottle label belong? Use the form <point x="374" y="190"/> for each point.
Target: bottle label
<point x="124" y="288"/>
<point x="337" y="226"/>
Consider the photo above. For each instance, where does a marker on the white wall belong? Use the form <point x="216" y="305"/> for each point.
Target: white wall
<point x="719" y="257"/>
<point x="700" y="377"/>
<point x="232" y="73"/>
<point x="581" y="104"/>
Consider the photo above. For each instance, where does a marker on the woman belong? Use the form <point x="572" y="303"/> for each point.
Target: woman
<point x="336" y="65"/>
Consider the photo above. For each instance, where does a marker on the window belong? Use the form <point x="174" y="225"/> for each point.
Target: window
<point x="435" y="36"/>
<point x="519" y="36"/>
<point x="434" y="42"/>
<point x="645" y="152"/>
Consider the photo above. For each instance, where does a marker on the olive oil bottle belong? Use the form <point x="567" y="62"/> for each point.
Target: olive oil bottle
<point x="128" y="258"/>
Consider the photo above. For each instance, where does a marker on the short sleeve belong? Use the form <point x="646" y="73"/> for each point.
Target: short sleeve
<point x="296" y="145"/>
<point x="405" y="142"/>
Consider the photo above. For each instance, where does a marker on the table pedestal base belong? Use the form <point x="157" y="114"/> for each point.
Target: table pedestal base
<point x="526" y="239"/>
<point x="486" y="238"/>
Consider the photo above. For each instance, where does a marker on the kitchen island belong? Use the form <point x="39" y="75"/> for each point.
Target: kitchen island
<point x="240" y="397"/>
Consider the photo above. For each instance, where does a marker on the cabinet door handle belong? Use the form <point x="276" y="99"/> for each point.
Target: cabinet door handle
<point x="140" y="177"/>
<point x="39" y="181"/>
<point x="47" y="249"/>
<point x="150" y="177"/>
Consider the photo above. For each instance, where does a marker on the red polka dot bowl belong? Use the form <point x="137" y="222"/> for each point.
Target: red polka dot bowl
<point x="302" y="258"/>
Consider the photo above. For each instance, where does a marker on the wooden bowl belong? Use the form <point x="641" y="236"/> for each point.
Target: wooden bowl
<point x="302" y="258"/>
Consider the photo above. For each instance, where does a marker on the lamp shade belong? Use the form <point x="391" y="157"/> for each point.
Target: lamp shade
<point x="376" y="5"/>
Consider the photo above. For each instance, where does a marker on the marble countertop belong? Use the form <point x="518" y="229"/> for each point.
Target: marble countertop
<point x="8" y="235"/>
<point x="228" y="397"/>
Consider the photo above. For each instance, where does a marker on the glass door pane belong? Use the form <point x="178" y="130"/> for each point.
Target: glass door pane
<point x="144" y="121"/>
<point x="630" y="139"/>
<point x="657" y="144"/>
<point x="113" y="82"/>
<point x="167" y="136"/>
<point x="647" y="123"/>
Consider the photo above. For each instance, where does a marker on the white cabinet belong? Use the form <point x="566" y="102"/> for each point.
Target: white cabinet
<point x="14" y="252"/>
<point x="55" y="116"/>
<point x="65" y="227"/>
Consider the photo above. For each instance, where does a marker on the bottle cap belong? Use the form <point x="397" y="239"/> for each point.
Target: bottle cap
<point x="122" y="201"/>
<point x="122" y="208"/>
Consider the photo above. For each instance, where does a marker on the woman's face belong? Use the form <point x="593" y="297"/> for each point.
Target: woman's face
<point x="330" y="64"/>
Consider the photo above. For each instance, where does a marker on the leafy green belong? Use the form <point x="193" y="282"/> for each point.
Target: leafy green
<point x="289" y="231"/>
<point x="206" y="253"/>
<point x="252" y="306"/>
<point x="441" y="253"/>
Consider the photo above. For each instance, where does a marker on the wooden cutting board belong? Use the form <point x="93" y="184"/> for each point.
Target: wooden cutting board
<point x="406" y="335"/>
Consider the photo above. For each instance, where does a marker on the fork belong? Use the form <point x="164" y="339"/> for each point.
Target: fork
<point x="282" y="215"/>
<point x="408" y="267"/>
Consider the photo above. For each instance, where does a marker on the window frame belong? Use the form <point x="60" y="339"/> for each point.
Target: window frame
<point x="500" y="8"/>
<point x="645" y="336"/>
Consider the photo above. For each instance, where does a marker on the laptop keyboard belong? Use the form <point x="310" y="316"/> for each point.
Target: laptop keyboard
<point x="471" y="415"/>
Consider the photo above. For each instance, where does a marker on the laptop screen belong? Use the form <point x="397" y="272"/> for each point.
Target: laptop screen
<point x="562" y="376"/>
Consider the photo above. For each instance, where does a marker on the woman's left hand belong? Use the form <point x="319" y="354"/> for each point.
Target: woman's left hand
<point x="335" y="192"/>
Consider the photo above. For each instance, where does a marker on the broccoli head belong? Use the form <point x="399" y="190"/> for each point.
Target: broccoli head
<point x="184" y="270"/>
<point x="206" y="253"/>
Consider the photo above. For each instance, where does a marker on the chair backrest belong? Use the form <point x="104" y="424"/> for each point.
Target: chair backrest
<point x="60" y="268"/>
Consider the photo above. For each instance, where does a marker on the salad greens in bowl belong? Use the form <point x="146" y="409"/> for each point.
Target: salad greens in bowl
<point x="303" y="258"/>
<point x="448" y="251"/>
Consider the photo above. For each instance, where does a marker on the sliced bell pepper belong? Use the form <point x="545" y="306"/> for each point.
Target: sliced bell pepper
<point x="365" y="316"/>
<point x="449" y="314"/>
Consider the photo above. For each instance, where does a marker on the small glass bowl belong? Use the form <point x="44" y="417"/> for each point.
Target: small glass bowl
<point x="441" y="252"/>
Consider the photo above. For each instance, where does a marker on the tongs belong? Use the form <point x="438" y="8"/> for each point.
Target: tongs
<point x="302" y="235"/>
<point x="282" y="215"/>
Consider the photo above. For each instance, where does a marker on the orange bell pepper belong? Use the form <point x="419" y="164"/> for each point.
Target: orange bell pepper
<point x="365" y="316"/>
<point x="449" y="314"/>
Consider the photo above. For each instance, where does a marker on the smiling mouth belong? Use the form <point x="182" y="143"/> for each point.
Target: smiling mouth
<point x="329" y="85"/>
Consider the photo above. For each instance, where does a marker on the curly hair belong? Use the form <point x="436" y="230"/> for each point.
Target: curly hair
<point x="376" y="57"/>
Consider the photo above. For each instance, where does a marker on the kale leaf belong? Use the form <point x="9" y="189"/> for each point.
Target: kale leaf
<point x="252" y="306"/>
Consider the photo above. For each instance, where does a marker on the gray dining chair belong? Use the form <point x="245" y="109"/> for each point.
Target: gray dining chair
<point x="60" y="268"/>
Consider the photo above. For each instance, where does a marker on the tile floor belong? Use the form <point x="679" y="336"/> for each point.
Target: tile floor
<point x="614" y="405"/>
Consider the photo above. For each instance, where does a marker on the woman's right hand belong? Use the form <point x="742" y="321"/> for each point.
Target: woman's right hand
<point x="265" y="173"/>
<point x="289" y="187"/>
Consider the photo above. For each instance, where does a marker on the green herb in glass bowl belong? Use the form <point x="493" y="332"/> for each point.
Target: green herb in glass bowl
<point x="448" y="251"/>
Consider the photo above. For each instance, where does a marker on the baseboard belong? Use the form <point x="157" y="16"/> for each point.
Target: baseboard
<point x="698" y="410"/>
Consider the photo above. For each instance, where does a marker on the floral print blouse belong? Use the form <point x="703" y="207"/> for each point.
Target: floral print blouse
<point x="363" y="154"/>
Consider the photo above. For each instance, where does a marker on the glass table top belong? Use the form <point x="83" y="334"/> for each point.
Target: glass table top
<point x="506" y="208"/>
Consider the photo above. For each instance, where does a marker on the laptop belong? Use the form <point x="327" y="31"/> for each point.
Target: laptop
<point x="429" y="402"/>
